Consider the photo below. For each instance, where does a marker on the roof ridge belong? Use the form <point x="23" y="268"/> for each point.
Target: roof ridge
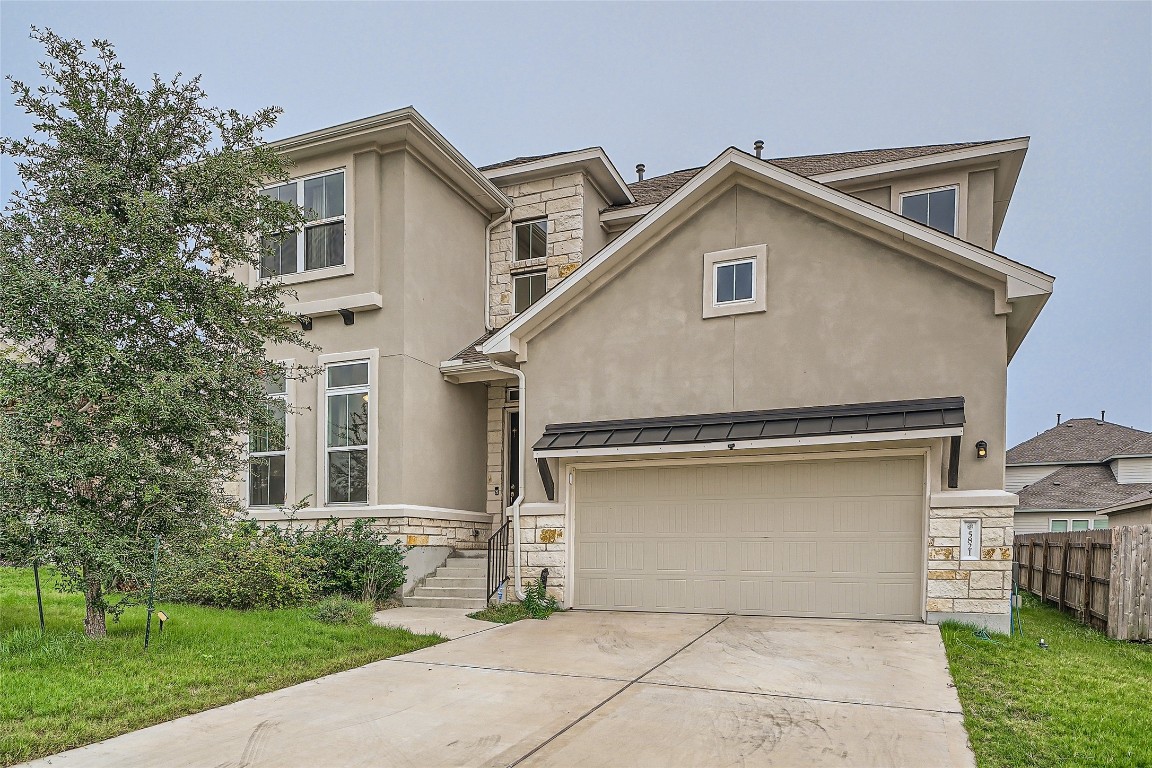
<point x="894" y="149"/>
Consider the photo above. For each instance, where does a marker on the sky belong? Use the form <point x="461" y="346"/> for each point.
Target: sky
<point x="673" y="85"/>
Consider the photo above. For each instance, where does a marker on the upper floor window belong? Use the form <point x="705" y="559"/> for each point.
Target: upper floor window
<point x="528" y="289"/>
<point x="531" y="239"/>
<point x="733" y="281"/>
<point x="321" y="241"/>
<point x="934" y="207"/>
<point x="346" y="439"/>
<point x="268" y="449"/>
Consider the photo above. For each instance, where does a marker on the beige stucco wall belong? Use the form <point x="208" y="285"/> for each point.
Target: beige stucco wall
<point x="848" y="321"/>
<point x="419" y="243"/>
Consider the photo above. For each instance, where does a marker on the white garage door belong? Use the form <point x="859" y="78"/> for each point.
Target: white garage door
<point x="833" y="538"/>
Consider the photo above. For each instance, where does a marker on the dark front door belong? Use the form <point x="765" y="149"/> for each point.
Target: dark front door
<point x="512" y="471"/>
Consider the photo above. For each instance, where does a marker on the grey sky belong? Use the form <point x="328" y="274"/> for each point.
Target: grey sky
<point x="672" y="85"/>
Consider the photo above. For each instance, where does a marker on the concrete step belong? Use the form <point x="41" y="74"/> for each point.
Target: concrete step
<point x="474" y="563"/>
<point x="454" y="581"/>
<point x="446" y="602"/>
<point x="462" y="573"/>
<point x="427" y="591"/>
<point x="470" y="554"/>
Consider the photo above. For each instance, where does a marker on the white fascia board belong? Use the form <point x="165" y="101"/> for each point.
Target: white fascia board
<point x="940" y="158"/>
<point x="360" y="302"/>
<point x="398" y="118"/>
<point x="594" y="160"/>
<point x="626" y="215"/>
<point x="726" y="446"/>
<point x="893" y="224"/>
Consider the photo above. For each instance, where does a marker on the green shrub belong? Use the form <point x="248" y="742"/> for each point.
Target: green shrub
<point x="358" y="560"/>
<point x="537" y="602"/>
<point x="241" y="566"/>
<point x="339" y="609"/>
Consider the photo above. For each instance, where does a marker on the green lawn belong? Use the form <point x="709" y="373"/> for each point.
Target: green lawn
<point x="67" y="691"/>
<point x="503" y="613"/>
<point x="1086" y="701"/>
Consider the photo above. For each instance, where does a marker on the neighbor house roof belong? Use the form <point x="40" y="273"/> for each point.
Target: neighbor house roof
<point x="1080" y="440"/>
<point x="1139" y="501"/>
<point x="1079" y="486"/>
<point x="658" y="188"/>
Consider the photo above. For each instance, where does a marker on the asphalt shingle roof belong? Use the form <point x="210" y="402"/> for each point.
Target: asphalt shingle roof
<point x="1078" y="440"/>
<point x="1082" y="486"/>
<point x="469" y="353"/>
<point x="526" y="159"/>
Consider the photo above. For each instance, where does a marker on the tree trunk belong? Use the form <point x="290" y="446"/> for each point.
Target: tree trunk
<point x="94" y="619"/>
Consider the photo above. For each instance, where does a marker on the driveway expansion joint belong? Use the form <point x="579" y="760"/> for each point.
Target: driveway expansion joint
<point x="802" y="698"/>
<point x="508" y="669"/>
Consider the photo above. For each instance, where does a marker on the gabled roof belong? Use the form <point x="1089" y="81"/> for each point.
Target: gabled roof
<point x="1081" y="440"/>
<point x="528" y="159"/>
<point x="1079" y="486"/>
<point x="592" y="161"/>
<point x="1020" y="282"/>
<point x="1140" y="500"/>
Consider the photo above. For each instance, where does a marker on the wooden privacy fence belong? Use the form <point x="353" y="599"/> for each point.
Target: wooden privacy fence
<point x="1103" y="577"/>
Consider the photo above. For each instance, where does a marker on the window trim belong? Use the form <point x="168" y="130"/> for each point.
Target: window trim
<point x="516" y="259"/>
<point x="1090" y="522"/>
<point x="321" y="273"/>
<point x="289" y="452"/>
<point x="528" y="274"/>
<point x="758" y="255"/>
<point x="929" y="190"/>
<point x="370" y="356"/>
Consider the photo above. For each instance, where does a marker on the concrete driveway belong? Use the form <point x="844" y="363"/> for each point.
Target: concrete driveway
<point x="597" y="689"/>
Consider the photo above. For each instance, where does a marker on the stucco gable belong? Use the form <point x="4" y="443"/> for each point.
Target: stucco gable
<point x="1017" y="283"/>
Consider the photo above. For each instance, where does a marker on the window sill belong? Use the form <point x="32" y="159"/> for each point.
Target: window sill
<point x="312" y="274"/>
<point x="528" y="265"/>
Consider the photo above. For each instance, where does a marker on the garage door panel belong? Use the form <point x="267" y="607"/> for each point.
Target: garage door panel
<point x="815" y="538"/>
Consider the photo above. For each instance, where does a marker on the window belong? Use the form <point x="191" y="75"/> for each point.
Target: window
<point x="1099" y="523"/>
<point x="528" y="289"/>
<point x="733" y="281"/>
<point x="934" y="207"/>
<point x="346" y="397"/>
<point x="1057" y="526"/>
<point x="1063" y="526"/>
<point x="531" y="239"/>
<point x="267" y="449"/>
<point x="321" y="241"/>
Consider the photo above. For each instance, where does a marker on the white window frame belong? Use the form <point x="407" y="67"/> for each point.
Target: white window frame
<point x="527" y="274"/>
<point x="1070" y="520"/>
<point x="955" y="207"/>
<point x="527" y="222"/>
<point x="370" y="356"/>
<point x="288" y="397"/>
<point x="305" y="275"/>
<point x="758" y="255"/>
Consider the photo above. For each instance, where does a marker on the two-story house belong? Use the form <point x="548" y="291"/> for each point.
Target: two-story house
<point x="762" y="386"/>
<point x="1081" y="474"/>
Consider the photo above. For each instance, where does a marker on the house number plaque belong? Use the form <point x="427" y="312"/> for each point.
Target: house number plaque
<point x="970" y="540"/>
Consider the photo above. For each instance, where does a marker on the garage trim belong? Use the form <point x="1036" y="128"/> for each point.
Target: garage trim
<point x="568" y="467"/>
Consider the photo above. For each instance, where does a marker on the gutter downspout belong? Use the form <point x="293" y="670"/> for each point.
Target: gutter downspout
<point x="519" y="374"/>
<point x="507" y="216"/>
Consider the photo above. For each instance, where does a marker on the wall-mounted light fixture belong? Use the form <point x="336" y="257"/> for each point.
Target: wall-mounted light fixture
<point x="981" y="450"/>
<point x="305" y="322"/>
<point x="348" y="315"/>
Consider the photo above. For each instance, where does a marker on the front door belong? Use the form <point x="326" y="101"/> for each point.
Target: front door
<point x="512" y="470"/>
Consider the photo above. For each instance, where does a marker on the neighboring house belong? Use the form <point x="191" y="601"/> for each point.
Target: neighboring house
<point x="760" y="386"/>
<point x="1081" y="474"/>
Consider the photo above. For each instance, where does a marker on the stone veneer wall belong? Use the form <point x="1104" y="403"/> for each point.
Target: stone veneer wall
<point x="495" y="471"/>
<point x="543" y="545"/>
<point x="561" y="199"/>
<point x="417" y="531"/>
<point x="982" y="588"/>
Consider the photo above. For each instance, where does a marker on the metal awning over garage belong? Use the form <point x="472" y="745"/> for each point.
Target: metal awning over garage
<point x="934" y="417"/>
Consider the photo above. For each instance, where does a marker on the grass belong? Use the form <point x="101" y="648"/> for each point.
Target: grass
<point x="501" y="613"/>
<point x="64" y="690"/>
<point x="1082" y="702"/>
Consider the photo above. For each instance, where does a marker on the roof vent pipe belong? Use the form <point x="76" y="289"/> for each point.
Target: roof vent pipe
<point x="1102" y="417"/>
<point x="758" y="147"/>
<point x="639" y="171"/>
<point x="1057" y="419"/>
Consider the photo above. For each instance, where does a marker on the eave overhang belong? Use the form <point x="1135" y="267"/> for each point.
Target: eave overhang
<point x="400" y="127"/>
<point x="594" y="162"/>
<point x="1020" y="284"/>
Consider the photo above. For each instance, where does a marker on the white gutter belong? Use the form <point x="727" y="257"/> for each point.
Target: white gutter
<point x="519" y="374"/>
<point x="488" y="266"/>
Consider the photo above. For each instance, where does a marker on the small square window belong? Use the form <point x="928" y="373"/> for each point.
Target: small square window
<point x="1099" y="524"/>
<point x="934" y="207"/>
<point x="531" y="239"/>
<point x="528" y="288"/>
<point x="734" y="281"/>
<point x="1058" y="526"/>
<point x="1079" y="525"/>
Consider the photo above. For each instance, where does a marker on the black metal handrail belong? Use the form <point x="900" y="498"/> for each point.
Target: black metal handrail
<point x="498" y="559"/>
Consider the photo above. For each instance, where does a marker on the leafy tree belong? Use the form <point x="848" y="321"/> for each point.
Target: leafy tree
<point x="130" y="356"/>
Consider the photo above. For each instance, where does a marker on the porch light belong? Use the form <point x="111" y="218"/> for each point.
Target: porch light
<point x="981" y="450"/>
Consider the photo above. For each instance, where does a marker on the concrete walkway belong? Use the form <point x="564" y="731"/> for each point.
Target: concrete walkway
<point x="446" y="622"/>
<point x="597" y="689"/>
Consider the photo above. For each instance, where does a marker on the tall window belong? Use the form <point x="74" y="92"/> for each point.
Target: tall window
<point x="347" y="432"/>
<point x="531" y="239"/>
<point x="528" y="289"/>
<point x="934" y="207"/>
<point x="267" y="450"/>
<point x="321" y="241"/>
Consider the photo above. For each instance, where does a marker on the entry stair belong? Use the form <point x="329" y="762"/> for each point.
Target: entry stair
<point x="462" y="582"/>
